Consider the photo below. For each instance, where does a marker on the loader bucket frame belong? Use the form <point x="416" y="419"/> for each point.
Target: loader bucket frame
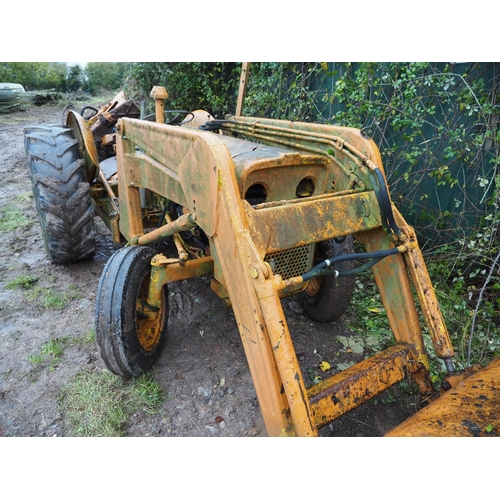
<point x="195" y="169"/>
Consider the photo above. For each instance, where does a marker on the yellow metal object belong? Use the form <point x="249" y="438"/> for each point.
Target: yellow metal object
<point x="470" y="408"/>
<point x="263" y="207"/>
<point x="337" y="395"/>
<point x="149" y="320"/>
<point x="167" y="160"/>
<point x="159" y="94"/>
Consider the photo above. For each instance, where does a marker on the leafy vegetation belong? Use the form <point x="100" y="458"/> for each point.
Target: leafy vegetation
<point x="108" y="76"/>
<point x="212" y="86"/>
<point x="35" y="75"/>
<point x="95" y="77"/>
<point x="100" y="403"/>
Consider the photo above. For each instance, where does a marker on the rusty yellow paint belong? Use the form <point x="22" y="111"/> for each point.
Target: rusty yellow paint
<point x="165" y="270"/>
<point x="319" y="189"/>
<point x="346" y="390"/>
<point x="426" y="294"/>
<point x="149" y="320"/>
<point x="86" y="140"/>
<point x="159" y="94"/>
<point x="470" y="408"/>
<point x="391" y="277"/>
<point x="312" y="221"/>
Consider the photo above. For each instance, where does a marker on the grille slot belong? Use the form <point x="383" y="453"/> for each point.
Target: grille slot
<point x="291" y="262"/>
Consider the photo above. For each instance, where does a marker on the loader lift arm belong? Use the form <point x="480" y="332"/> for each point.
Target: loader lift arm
<point x="196" y="169"/>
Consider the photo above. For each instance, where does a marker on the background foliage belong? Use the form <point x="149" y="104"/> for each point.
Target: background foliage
<point x="35" y="76"/>
<point x="59" y="76"/>
<point x="212" y="86"/>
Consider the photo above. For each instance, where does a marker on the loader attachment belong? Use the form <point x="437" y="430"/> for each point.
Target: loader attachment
<point x="469" y="407"/>
<point x="266" y="193"/>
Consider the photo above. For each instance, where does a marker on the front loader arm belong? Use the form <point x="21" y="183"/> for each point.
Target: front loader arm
<point x="196" y="170"/>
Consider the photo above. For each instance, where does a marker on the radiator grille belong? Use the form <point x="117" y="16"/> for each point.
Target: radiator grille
<point x="292" y="262"/>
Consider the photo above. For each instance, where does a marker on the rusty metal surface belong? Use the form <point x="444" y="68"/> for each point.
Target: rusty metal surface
<point x="337" y="395"/>
<point x="311" y="194"/>
<point x="159" y="94"/>
<point x="319" y="219"/>
<point x="245" y="67"/>
<point x="164" y="270"/>
<point x="426" y="295"/>
<point x="86" y="140"/>
<point x="471" y="408"/>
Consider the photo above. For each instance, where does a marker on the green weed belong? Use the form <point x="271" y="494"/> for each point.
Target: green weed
<point x="367" y="315"/>
<point x="50" y="298"/>
<point x="12" y="219"/>
<point x="88" y="338"/>
<point x="25" y="197"/>
<point x="50" y="352"/>
<point x="25" y="282"/>
<point x="36" y="359"/>
<point x="99" y="403"/>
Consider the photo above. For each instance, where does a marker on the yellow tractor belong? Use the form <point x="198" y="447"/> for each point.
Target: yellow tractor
<point x="268" y="208"/>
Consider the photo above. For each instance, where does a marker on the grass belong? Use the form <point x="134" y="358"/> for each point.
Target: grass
<point x="50" y="298"/>
<point x="26" y="282"/>
<point x="50" y="352"/>
<point x="99" y="403"/>
<point x="88" y="338"/>
<point x="12" y="219"/>
<point x="25" y="198"/>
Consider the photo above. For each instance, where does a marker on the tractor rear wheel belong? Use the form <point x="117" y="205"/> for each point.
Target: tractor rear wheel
<point x="327" y="298"/>
<point x="130" y="334"/>
<point x="61" y="193"/>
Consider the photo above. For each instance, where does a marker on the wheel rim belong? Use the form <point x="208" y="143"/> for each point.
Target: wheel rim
<point x="149" y="320"/>
<point x="314" y="286"/>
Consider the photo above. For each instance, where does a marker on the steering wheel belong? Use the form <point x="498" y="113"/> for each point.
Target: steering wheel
<point x="178" y="118"/>
<point x="85" y="108"/>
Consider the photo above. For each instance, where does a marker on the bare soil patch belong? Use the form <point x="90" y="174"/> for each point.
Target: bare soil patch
<point x="203" y="370"/>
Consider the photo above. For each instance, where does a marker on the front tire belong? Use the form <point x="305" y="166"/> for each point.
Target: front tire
<point x="327" y="298"/>
<point x="130" y="334"/>
<point x="61" y="193"/>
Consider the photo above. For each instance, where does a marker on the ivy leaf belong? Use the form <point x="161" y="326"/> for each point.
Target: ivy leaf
<point x="344" y="366"/>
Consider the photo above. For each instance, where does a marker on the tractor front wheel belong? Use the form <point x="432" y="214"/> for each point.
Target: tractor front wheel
<point x="130" y="334"/>
<point x="326" y="298"/>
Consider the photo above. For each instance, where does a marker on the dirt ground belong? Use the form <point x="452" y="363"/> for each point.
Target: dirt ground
<point x="203" y="370"/>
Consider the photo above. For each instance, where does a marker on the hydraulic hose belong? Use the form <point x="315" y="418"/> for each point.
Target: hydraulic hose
<point x="322" y="267"/>
<point x="385" y="202"/>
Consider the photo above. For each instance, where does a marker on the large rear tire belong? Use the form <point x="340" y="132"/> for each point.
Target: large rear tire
<point x="130" y="334"/>
<point x="327" y="298"/>
<point x="61" y="193"/>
